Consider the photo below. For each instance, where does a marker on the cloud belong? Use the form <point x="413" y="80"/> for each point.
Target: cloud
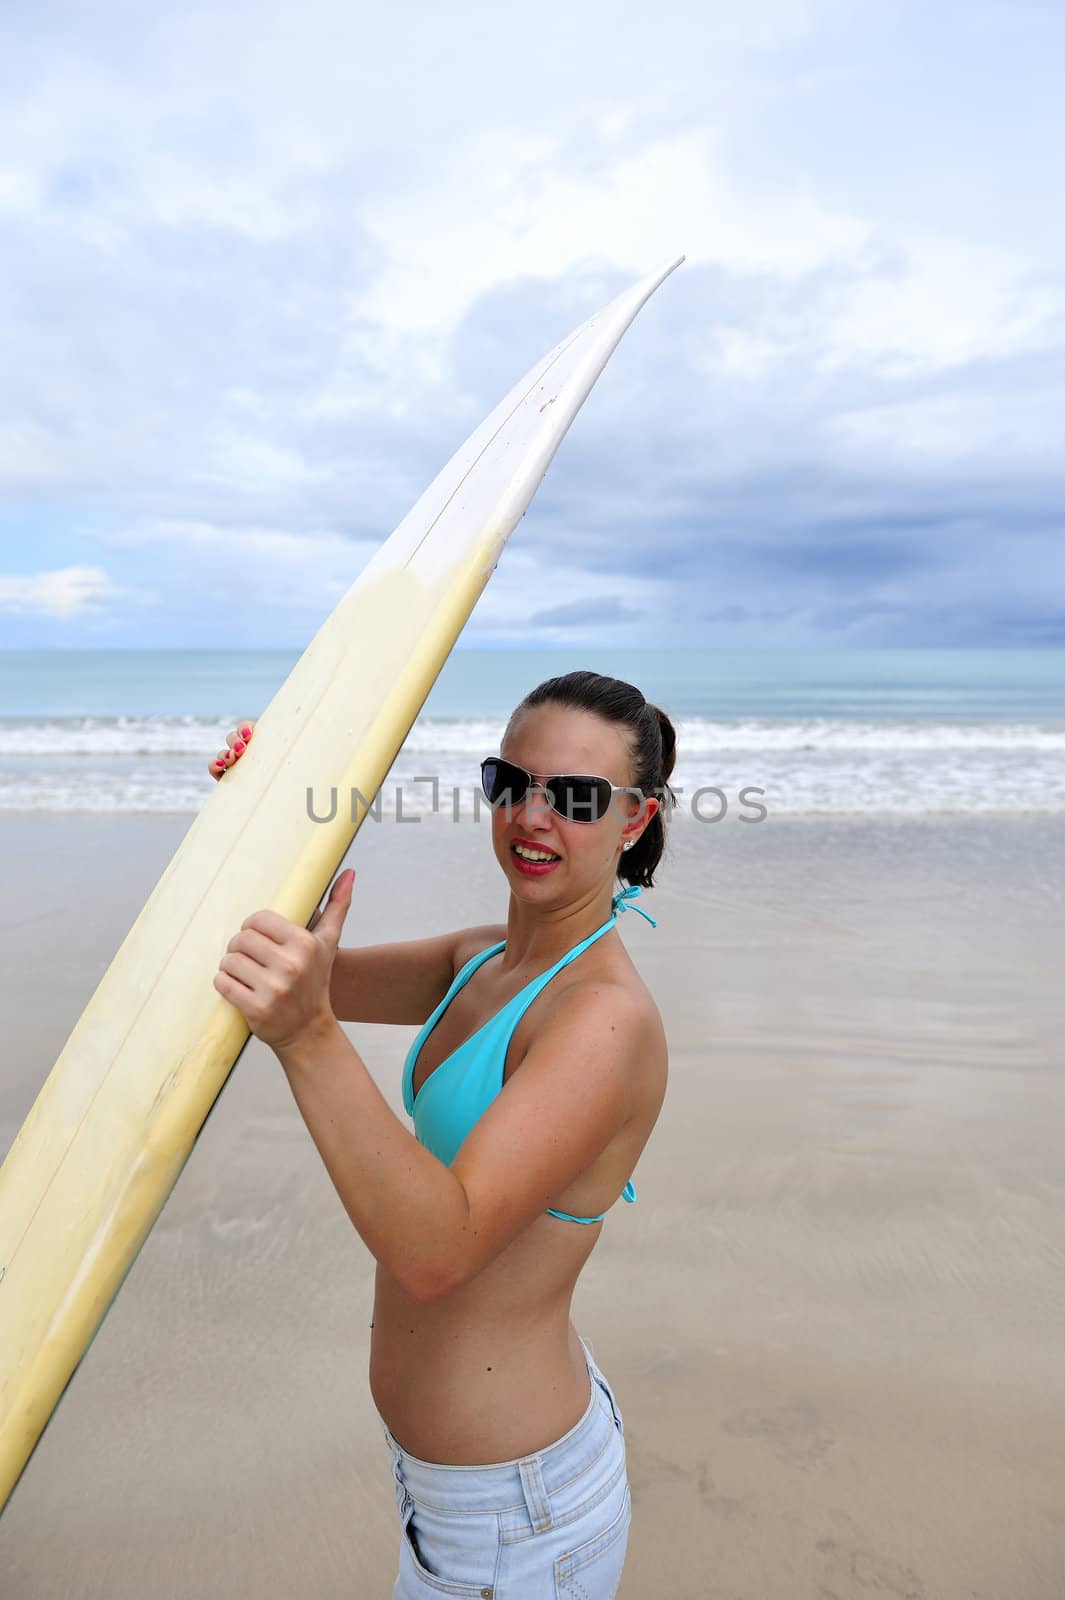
<point x="577" y="613"/>
<point x="212" y="582"/>
<point x="548" y="206"/>
<point x="263" y="273"/>
<point x="66" y="594"/>
<point x="599" y="607"/>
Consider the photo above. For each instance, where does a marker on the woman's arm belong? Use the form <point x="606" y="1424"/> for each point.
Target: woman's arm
<point x="409" y="1209"/>
<point x="391" y="982"/>
<point x="434" y="1227"/>
<point x="402" y="983"/>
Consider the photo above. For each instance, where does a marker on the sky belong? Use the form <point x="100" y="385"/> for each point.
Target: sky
<point x="264" y="266"/>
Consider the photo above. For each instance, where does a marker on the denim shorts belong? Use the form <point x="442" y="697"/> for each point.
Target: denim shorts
<point x="550" y="1526"/>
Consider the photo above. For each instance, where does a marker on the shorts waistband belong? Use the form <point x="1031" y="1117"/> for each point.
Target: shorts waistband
<point x="526" y="1480"/>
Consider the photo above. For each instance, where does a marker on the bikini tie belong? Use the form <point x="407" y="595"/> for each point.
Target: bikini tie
<point x="620" y="899"/>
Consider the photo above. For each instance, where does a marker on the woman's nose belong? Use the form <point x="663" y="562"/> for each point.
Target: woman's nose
<point x="536" y="795"/>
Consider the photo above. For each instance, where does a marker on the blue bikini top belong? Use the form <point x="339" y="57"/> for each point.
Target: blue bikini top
<point x="458" y="1092"/>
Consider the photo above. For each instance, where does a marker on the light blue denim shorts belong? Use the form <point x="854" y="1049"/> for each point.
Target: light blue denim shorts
<point x="550" y="1526"/>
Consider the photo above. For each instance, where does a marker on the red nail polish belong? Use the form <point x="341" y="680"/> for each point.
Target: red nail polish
<point x="239" y="746"/>
<point x="246" y="733"/>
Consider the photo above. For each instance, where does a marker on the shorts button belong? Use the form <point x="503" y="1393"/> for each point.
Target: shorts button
<point x="486" y="1594"/>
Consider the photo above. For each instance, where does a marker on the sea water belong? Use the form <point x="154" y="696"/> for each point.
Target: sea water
<point x="841" y="732"/>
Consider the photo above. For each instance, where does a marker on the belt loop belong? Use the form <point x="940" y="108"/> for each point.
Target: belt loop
<point x="536" y="1500"/>
<point x="395" y="1459"/>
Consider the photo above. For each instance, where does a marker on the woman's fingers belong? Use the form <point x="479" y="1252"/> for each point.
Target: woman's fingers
<point x="237" y="740"/>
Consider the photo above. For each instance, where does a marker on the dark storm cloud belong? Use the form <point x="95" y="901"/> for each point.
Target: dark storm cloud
<point x="578" y="612"/>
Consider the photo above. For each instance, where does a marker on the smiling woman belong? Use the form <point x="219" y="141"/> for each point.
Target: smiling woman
<point x="534" y="1083"/>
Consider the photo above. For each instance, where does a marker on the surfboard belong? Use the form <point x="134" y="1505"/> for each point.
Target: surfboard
<point x="118" y="1115"/>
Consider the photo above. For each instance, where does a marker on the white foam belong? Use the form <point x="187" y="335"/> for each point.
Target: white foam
<point x="805" y="765"/>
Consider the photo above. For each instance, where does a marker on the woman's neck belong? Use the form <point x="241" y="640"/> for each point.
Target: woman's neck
<point x="538" y="935"/>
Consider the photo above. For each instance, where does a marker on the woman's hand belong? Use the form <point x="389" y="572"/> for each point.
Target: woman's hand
<point x="237" y="740"/>
<point x="277" y="975"/>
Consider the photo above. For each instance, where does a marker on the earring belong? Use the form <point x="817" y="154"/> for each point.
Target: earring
<point x="629" y="845"/>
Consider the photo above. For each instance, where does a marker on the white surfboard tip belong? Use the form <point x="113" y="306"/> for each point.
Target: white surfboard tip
<point x="645" y="287"/>
<point x="668" y="266"/>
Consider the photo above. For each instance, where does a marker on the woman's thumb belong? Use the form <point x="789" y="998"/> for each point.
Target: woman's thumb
<point x="337" y="906"/>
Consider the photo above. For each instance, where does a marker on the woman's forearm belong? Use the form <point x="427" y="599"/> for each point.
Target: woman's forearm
<point x="408" y="1207"/>
<point x="340" y="986"/>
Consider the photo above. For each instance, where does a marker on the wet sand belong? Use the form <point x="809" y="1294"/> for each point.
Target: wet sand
<point x="834" y="1318"/>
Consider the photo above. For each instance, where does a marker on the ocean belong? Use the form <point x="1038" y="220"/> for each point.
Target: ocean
<point x="829" y="732"/>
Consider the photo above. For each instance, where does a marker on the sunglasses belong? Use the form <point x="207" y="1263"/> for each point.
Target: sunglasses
<point x="577" y="798"/>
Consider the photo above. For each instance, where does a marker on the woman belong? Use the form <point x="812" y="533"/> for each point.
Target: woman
<point x="534" y="1084"/>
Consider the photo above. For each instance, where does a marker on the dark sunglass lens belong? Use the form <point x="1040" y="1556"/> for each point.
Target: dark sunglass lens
<point x="580" y="799"/>
<point x="502" y="782"/>
<point x="490" y="780"/>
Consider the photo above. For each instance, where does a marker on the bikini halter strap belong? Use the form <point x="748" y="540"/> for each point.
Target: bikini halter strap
<point x="621" y="899"/>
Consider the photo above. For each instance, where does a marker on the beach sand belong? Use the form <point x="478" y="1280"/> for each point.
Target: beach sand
<point x="834" y="1319"/>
